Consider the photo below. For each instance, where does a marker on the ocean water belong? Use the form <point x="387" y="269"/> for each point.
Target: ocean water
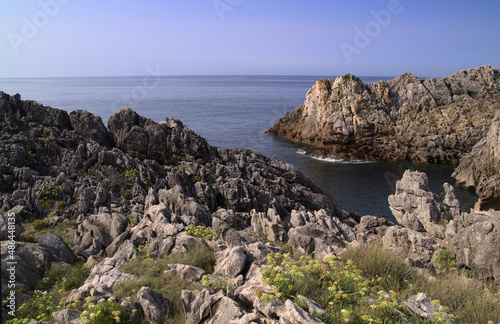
<point x="231" y="112"/>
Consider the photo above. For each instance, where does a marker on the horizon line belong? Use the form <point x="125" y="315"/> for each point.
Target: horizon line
<point x="202" y="75"/>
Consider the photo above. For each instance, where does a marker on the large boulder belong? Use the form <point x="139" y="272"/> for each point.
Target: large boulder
<point x="67" y="316"/>
<point x="166" y="142"/>
<point x="156" y="307"/>
<point x="90" y="126"/>
<point x="198" y="304"/>
<point x="231" y="262"/>
<point x="28" y="262"/>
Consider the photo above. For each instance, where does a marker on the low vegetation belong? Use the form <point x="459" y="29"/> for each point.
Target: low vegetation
<point x="471" y="301"/>
<point x="367" y="285"/>
<point x="150" y="272"/>
<point x="201" y="232"/>
<point x="337" y="285"/>
<point x="39" y="227"/>
<point x="444" y="260"/>
<point x="51" y="292"/>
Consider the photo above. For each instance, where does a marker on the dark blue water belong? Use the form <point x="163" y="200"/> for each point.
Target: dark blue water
<point x="230" y="112"/>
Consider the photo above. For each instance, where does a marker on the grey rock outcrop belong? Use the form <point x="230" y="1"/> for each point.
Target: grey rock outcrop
<point x="105" y="275"/>
<point x="197" y="304"/>
<point x="31" y="260"/>
<point x="406" y="118"/>
<point x="166" y="142"/>
<point x="90" y="126"/>
<point x="11" y="224"/>
<point x="371" y="229"/>
<point x="475" y="241"/>
<point x="480" y="168"/>
<point x="67" y="316"/>
<point x="473" y="238"/>
<point x="417" y="247"/>
<point x="156" y="308"/>
<point x="415" y="207"/>
<point x="422" y="305"/>
<point x="231" y="262"/>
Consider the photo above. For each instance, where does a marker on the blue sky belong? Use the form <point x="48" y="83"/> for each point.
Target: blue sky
<point x="47" y="38"/>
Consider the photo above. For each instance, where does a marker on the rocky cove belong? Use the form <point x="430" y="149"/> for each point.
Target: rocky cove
<point x="142" y="190"/>
<point x="431" y="121"/>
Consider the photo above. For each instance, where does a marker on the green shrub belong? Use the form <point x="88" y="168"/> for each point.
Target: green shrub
<point x="29" y="157"/>
<point x="47" y="204"/>
<point x="215" y="282"/>
<point x="105" y="312"/>
<point x="127" y="194"/>
<point x="147" y="183"/>
<point x="467" y="299"/>
<point x="196" y="178"/>
<point x="182" y="168"/>
<point x="200" y="231"/>
<point x="444" y="260"/>
<point x="200" y="162"/>
<point x="131" y="221"/>
<point x="29" y="238"/>
<point x="40" y="307"/>
<point x="76" y="276"/>
<point x="39" y="224"/>
<point x="131" y="173"/>
<point x="70" y="277"/>
<point x="27" y="214"/>
<point x="45" y="138"/>
<point x="50" y="193"/>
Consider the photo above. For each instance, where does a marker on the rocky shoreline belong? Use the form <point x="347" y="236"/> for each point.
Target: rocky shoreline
<point x="403" y="119"/>
<point x="142" y="189"/>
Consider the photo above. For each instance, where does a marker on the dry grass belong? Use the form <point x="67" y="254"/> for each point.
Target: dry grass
<point x="470" y="300"/>
<point x="150" y="273"/>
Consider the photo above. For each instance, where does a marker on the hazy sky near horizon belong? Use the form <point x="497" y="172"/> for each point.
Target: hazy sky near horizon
<point x="53" y="38"/>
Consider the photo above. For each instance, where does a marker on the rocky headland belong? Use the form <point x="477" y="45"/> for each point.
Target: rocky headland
<point x="123" y="198"/>
<point x="403" y="119"/>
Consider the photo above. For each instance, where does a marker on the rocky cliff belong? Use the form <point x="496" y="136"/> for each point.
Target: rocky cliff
<point x="480" y="168"/>
<point x="406" y="118"/>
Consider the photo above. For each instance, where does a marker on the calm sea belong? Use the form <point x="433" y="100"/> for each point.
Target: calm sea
<point x="231" y="112"/>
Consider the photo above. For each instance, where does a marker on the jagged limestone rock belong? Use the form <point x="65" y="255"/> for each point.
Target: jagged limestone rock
<point x="406" y="118"/>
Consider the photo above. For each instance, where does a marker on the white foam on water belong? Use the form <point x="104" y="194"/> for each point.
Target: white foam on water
<point x="333" y="159"/>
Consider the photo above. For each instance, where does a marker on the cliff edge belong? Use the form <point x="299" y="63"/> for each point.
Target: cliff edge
<point x="406" y="118"/>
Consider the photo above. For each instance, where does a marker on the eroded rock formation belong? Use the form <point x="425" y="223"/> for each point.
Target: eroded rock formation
<point x="406" y="118"/>
<point x="480" y="168"/>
